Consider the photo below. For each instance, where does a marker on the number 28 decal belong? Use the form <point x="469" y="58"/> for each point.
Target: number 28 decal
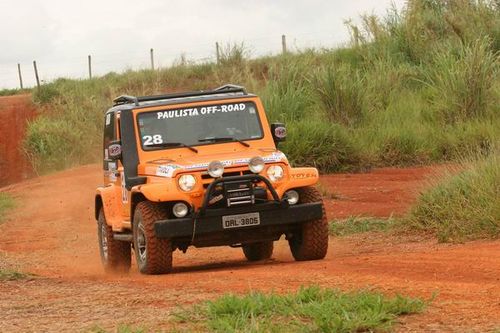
<point x="152" y="139"/>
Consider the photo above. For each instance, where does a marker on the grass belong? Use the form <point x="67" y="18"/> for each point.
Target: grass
<point x="327" y="146"/>
<point x="415" y="86"/>
<point x="356" y="225"/>
<point x="10" y="275"/>
<point x="339" y="90"/>
<point x="6" y="203"/>
<point x="10" y="92"/>
<point x="462" y="206"/>
<point x="310" y="309"/>
<point x="327" y="193"/>
<point x="460" y="83"/>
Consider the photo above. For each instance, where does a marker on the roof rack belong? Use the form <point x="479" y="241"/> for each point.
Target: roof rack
<point x="225" y="89"/>
<point x="125" y="99"/>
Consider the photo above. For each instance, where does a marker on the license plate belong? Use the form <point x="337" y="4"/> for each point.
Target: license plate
<point x="240" y="220"/>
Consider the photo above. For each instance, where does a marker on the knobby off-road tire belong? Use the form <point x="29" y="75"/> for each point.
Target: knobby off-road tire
<point x="258" y="251"/>
<point x="115" y="255"/>
<point x="153" y="255"/>
<point x="311" y="242"/>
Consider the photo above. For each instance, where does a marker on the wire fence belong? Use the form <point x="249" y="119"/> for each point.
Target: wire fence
<point x="31" y="74"/>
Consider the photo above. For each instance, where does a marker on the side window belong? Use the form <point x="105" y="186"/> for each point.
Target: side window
<point x="109" y="135"/>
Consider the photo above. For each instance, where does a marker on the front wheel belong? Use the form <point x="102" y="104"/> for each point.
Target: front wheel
<point x="258" y="251"/>
<point x="115" y="255"/>
<point x="153" y="255"/>
<point x="311" y="240"/>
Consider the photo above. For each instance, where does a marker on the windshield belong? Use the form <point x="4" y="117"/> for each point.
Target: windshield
<point x="199" y="125"/>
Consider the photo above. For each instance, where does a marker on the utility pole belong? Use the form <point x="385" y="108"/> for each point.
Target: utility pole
<point x="20" y="76"/>
<point x="36" y="75"/>
<point x="217" y="52"/>
<point x="152" y="59"/>
<point x="283" y="44"/>
<point x="90" y="66"/>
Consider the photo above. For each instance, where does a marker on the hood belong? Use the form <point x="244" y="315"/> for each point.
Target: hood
<point x="170" y="167"/>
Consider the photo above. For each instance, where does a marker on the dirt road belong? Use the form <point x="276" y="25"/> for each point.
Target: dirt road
<point x="52" y="234"/>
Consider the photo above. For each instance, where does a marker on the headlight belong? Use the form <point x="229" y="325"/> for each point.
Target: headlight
<point x="256" y="164"/>
<point x="215" y="169"/>
<point x="292" y="196"/>
<point x="187" y="182"/>
<point x="275" y="173"/>
<point x="180" y="209"/>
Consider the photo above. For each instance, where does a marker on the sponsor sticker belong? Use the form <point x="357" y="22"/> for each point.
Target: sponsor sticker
<point x="216" y="199"/>
<point x="166" y="170"/>
<point x="114" y="150"/>
<point x="275" y="157"/>
<point x="206" y="110"/>
<point x="196" y="166"/>
<point x="280" y="132"/>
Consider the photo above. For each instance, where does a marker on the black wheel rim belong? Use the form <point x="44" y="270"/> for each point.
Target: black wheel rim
<point x="104" y="242"/>
<point x="141" y="242"/>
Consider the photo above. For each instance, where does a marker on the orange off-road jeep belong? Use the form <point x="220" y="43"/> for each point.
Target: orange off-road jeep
<point x="201" y="168"/>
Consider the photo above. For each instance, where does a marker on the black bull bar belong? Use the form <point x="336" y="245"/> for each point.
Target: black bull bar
<point x="275" y="212"/>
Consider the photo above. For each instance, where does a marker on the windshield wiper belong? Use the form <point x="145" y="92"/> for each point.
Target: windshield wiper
<point x="171" y="144"/>
<point x="222" y="139"/>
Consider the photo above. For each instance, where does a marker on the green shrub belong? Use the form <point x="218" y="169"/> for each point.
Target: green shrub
<point x="67" y="133"/>
<point x="385" y="82"/>
<point x="403" y="146"/>
<point x="461" y="85"/>
<point x="233" y="54"/>
<point x="327" y="146"/>
<point x="287" y="95"/>
<point x="462" y="206"/>
<point x="45" y="94"/>
<point x="340" y="90"/>
<point x="465" y="139"/>
<point x="424" y="25"/>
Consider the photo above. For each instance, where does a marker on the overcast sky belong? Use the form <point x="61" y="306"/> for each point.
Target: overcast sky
<point x="59" y="34"/>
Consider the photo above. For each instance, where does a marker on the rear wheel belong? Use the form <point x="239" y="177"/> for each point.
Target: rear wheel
<point x="153" y="255"/>
<point x="258" y="251"/>
<point x="311" y="241"/>
<point x="115" y="255"/>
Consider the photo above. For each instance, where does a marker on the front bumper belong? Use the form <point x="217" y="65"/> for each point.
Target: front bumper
<point x="271" y="214"/>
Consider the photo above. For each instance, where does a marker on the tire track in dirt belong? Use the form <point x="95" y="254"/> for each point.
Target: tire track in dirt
<point x="53" y="233"/>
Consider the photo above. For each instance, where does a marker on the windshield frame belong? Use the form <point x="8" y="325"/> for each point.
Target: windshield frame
<point x="175" y="107"/>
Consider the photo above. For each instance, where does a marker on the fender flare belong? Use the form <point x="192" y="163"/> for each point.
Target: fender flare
<point x="108" y="198"/>
<point x="300" y="177"/>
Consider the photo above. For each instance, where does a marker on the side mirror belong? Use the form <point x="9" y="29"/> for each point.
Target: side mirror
<point x="115" y="150"/>
<point x="279" y="132"/>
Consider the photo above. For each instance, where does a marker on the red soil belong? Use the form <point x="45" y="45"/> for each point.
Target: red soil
<point x="53" y="234"/>
<point x="15" y="111"/>
<point x="380" y="193"/>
